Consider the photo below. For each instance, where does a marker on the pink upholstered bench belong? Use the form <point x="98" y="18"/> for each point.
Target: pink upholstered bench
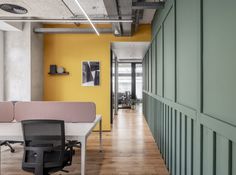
<point x="6" y="112"/>
<point x="77" y="112"/>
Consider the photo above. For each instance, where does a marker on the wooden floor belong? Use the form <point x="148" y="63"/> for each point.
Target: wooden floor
<point x="129" y="149"/>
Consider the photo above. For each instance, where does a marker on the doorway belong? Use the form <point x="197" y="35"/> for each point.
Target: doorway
<point x="126" y="74"/>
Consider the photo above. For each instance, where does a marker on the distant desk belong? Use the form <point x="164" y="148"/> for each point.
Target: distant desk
<point x="73" y="131"/>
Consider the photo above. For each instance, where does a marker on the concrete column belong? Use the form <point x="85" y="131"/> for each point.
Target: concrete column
<point x="23" y="64"/>
<point x="17" y="64"/>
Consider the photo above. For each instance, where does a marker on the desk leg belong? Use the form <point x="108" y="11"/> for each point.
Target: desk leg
<point x="83" y="156"/>
<point x="0" y="161"/>
<point x="100" y="134"/>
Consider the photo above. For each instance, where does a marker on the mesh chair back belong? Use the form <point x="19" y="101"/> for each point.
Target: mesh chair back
<point x="44" y="133"/>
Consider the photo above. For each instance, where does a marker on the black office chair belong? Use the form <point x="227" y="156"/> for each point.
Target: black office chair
<point x="45" y="150"/>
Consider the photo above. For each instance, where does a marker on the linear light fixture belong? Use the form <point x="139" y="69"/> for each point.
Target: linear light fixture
<point x="85" y="14"/>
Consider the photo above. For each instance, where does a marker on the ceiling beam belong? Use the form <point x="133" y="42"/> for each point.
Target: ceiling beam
<point x="148" y="5"/>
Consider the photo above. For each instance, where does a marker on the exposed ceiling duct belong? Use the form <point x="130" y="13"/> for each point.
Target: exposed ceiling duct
<point x="112" y="12"/>
<point x="131" y="10"/>
<point x="138" y="16"/>
<point x="71" y="30"/>
<point x="148" y="5"/>
<point x="125" y="11"/>
<point x="68" y="20"/>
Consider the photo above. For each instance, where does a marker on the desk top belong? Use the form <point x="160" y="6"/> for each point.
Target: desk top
<point x="73" y="131"/>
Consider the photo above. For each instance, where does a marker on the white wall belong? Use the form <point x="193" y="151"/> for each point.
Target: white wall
<point x="1" y="67"/>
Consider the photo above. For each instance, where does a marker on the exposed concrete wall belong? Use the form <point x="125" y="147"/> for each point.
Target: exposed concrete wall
<point x="1" y="67"/>
<point x="17" y="65"/>
<point x="36" y="64"/>
<point x="23" y="65"/>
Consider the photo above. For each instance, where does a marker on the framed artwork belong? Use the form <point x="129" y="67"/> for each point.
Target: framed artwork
<point x="90" y="73"/>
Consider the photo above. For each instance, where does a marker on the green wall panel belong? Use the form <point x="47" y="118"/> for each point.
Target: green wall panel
<point x="222" y="155"/>
<point x="159" y="62"/>
<point x="233" y="158"/>
<point x="208" y="151"/>
<point x="155" y="120"/>
<point x="167" y="136"/>
<point x="152" y="120"/>
<point x="153" y="46"/>
<point x="178" y="144"/>
<point x="183" y="144"/>
<point x="189" y="146"/>
<point x="219" y="63"/>
<point x="170" y="138"/>
<point x="188" y="52"/>
<point x="149" y="71"/>
<point x="169" y="56"/>
<point x="173" y="168"/>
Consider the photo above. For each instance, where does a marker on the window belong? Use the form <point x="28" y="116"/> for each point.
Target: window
<point x="139" y="81"/>
<point x="124" y="77"/>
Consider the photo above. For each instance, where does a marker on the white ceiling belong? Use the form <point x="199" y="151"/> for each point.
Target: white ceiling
<point x="56" y="8"/>
<point x="94" y="8"/>
<point x="130" y="50"/>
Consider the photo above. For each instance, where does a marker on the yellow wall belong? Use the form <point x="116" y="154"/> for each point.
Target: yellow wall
<point x="69" y="50"/>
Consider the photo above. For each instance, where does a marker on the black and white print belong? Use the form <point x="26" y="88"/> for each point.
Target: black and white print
<point x="91" y="73"/>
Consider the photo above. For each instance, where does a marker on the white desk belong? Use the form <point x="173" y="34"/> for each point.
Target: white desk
<point x="73" y="131"/>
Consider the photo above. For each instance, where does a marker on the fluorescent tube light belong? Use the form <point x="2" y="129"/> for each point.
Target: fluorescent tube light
<point x="85" y="14"/>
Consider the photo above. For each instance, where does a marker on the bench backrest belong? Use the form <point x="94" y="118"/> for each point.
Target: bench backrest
<point x="6" y="112"/>
<point x="78" y="112"/>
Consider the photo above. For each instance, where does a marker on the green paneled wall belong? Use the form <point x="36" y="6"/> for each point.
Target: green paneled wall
<point x="190" y="102"/>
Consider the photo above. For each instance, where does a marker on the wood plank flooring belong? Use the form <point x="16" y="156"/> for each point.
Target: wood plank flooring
<point x="129" y="149"/>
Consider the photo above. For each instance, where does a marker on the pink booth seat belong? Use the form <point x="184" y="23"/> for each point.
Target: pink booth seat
<point x="77" y="112"/>
<point x="6" y="112"/>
